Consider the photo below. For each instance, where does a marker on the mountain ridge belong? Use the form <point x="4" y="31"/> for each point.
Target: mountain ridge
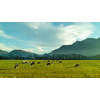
<point x="88" y="47"/>
<point x="20" y="53"/>
<point x="2" y="52"/>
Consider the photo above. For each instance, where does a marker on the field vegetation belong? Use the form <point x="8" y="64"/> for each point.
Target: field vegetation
<point x="66" y="69"/>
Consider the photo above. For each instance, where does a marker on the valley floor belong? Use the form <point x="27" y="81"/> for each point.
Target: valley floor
<point x="66" y="69"/>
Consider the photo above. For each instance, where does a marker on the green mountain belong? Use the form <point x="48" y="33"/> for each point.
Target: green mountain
<point x="3" y="52"/>
<point x="88" y="47"/>
<point x="21" y="53"/>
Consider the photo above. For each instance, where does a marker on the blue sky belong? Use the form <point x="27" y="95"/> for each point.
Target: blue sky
<point x="43" y="37"/>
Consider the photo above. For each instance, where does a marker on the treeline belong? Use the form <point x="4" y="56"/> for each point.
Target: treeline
<point x="75" y="57"/>
<point x="54" y="57"/>
<point x="69" y="57"/>
<point x="12" y="58"/>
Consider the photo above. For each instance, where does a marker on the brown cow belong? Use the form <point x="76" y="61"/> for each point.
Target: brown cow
<point x="16" y="66"/>
<point x="60" y="61"/>
<point x="77" y="65"/>
<point x="38" y="62"/>
<point x="48" y="64"/>
<point x="33" y="63"/>
<point x="53" y="62"/>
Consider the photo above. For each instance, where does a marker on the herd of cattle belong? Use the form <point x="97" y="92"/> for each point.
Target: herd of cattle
<point x="48" y="63"/>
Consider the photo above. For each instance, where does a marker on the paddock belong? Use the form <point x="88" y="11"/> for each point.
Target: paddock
<point x="66" y="69"/>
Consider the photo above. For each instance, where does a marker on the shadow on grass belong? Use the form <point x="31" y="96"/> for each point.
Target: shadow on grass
<point x="70" y="67"/>
<point x="5" y="69"/>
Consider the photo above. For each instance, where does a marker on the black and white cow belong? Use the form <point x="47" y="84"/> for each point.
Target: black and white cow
<point x="24" y="61"/>
<point x="33" y="63"/>
<point x="16" y="66"/>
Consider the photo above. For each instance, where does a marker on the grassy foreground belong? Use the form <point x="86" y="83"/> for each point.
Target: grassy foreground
<point x="66" y="69"/>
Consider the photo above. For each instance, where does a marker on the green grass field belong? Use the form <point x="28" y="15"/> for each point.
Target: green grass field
<point x="66" y="69"/>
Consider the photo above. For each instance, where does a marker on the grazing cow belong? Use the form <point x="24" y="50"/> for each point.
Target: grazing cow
<point x="48" y="60"/>
<point x="77" y="65"/>
<point x="24" y="61"/>
<point x="38" y="62"/>
<point x="53" y="62"/>
<point x="60" y="61"/>
<point x="33" y="63"/>
<point x="48" y="64"/>
<point x="16" y="66"/>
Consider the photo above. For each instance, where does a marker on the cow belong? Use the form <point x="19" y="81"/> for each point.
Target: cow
<point x="24" y="61"/>
<point x="77" y="65"/>
<point x="33" y="63"/>
<point x="53" y="62"/>
<point x="16" y="66"/>
<point x="60" y="61"/>
<point x="48" y="60"/>
<point x="38" y="62"/>
<point x="48" y="64"/>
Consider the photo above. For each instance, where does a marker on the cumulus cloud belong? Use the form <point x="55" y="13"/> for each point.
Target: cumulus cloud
<point x="42" y="37"/>
<point x="4" y="35"/>
<point x="55" y="36"/>
<point x="70" y="34"/>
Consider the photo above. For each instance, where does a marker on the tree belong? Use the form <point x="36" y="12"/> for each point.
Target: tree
<point x="11" y="55"/>
<point x="17" y="57"/>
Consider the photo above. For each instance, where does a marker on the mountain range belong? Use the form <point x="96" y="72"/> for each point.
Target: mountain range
<point x="87" y="47"/>
<point x="20" y="53"/>
<point x="3" y="52"/>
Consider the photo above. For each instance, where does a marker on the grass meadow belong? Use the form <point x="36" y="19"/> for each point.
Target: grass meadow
<point x="66" y="69"/>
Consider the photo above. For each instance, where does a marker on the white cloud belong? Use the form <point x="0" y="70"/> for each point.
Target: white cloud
<point x="4" y="35"/>
<point x="33" y="25"/>
<point x="70" y="34"/>
<point x="44" y="37"/>
<point x="7" y="47"/>
<point x="40" y="49"/>
<point x="55" y="36"/>
<point x="9" y="43"/>
<point x="29" y="50"/>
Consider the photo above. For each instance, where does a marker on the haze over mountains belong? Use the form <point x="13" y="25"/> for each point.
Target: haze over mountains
<point x="87" y="47"/>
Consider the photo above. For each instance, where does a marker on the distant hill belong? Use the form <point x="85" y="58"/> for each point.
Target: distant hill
<point x="3" y="52"/>
<point x="21" y="53"/>
<point x="88" y="47"/>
